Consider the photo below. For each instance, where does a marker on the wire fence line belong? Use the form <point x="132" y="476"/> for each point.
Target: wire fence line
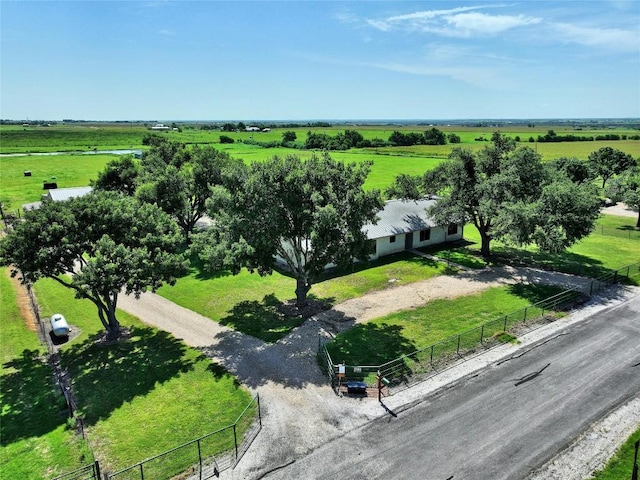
<point x="204" y="457"/>
<point x="199" y="459"/>
<point x="408" y="370"/>
<point x="617" y="232"/>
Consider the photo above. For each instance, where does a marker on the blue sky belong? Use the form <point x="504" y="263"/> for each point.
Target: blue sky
<point x="300" y="60"/>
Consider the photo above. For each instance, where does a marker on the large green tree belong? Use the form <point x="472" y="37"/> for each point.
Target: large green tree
<point x="507" y="194"/>
<point x="626" y="188"/>
<point x="99" y="245"/>
<point x="607" y="162"/>
<point x="119" y="175"/>
<point x="179" y="180"/>
<point x="305" y="213"/>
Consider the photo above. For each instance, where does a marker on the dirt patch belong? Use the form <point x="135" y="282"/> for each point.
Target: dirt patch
<point x="24" y="304"/>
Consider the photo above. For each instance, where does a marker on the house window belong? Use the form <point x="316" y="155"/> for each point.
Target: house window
<point x="453" y="229"/>
<point x="425" y="235"/>
<point x="392" y="239"/>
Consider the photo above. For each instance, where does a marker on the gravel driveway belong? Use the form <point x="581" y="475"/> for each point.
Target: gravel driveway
<point x="300" y="410"/>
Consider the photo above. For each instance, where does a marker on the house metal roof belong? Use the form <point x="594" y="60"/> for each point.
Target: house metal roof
<point x="61" y="194"/>
<point x="401" y="216"/>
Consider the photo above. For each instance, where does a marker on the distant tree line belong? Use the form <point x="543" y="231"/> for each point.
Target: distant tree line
<point x="552" y="136"/>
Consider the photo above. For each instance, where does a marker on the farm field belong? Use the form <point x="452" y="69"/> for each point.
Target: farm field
<point x="65" y="170"/>
<point x="73" y="170"/>
<point x="79" y="138"/>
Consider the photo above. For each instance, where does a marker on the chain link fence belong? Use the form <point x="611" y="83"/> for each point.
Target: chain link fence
<point x="407" y="370"/>
<point x="202" y="458"/>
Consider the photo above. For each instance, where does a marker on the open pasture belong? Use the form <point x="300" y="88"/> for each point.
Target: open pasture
<point x="105" y="136"/>
<point x="70" y="138"/>
<point x="65" y="170"/>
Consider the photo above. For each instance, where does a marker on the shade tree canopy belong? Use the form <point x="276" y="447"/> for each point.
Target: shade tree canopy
<point x="626" y="188"/>
<point x="178" y="179"/>
<point x="607" y="162"/>
<point x="507" y="193"/>
<point x="119" y="175"/>
<point x="98" y="245"/>
<point x="306" y="213"/>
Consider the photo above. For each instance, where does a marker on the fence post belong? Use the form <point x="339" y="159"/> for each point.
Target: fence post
<point x="504" y="328"/>
<point x="482" y="333"/>
<point x="141" y="472"/>
<point x="458" y="348"/>
<point x="199" y="460"/>
<point x="431" y="360"/>
<point x="96" y="469"/>
<point x="259" y="413"/>
<point x="235" y="440"/>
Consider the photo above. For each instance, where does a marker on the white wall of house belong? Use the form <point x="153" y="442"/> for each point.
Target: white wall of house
<point x="384" y="245"/>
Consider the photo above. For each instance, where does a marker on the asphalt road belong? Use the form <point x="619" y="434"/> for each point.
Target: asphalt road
<point x="503" y="422"/>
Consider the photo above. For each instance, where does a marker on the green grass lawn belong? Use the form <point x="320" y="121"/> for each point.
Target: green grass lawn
<point x="247" y="302"/>
<point x="386" y="338"/>
<point x="147" y="393"/>
<point x="620" y="466"/>
<point x="592" y="256"/>
<point x="35" y="440"/>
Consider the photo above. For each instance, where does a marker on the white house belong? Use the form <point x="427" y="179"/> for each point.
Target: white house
<point x="161" y="127"/>
<point x="402" y="225"/>
<point x="405" y="224"/>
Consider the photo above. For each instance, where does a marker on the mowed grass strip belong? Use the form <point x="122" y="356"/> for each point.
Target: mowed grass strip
<point x="248" y="302"/>
<point x="620" y="466"/>
<point x="144" y="394"/>
<point x="384" y="339"/>
<point x="36" y="441"/>
<point x="592" y="256"/>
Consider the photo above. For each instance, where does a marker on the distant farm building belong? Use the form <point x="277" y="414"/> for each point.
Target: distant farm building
<point x="160" y="127"/>
<point x="58" y="195"/>
<point x="252" y="129"/>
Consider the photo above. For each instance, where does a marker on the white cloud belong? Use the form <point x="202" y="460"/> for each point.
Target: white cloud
<point x="611" y="38"/>
<point x="467" y="24"/>
<point x="167" y="33"/>
<point x="454" y="22"/>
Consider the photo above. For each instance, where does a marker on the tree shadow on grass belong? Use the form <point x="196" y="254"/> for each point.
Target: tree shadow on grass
<point x="32" y="406"/>
<point x="105" y="376"/>
<point x="266" y="320"/>
<point x="534" y="292"/>
<point x="566" y="262"/>
<point x="370" y="344"/>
